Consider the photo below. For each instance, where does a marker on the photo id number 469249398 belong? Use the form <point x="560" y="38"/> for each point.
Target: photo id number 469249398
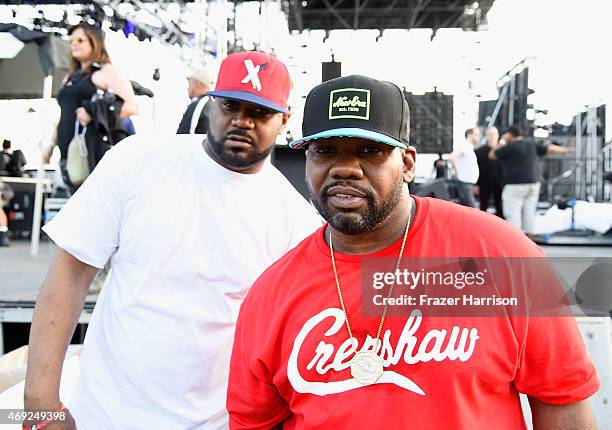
<point x="19" y="416"/>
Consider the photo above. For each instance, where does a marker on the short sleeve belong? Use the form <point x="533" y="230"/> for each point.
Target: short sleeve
<point x="554" y="366"/>
<point x="88" y="225"/>
<point x="458" y="151"/>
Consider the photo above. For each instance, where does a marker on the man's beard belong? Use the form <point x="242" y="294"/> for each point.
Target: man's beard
<point x="352" y="222"/>
<point x="235" y="159"/>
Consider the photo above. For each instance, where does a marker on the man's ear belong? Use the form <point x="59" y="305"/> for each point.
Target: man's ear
<point x="409" y="160"/>
<point x="284" y="121"/>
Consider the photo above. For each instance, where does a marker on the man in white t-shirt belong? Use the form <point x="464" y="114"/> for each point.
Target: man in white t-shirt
<point x="187" y="230"/>
<point x="465" y="164"/>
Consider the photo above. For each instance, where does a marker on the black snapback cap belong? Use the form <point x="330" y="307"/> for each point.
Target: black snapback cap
<point x="356" y="106"/>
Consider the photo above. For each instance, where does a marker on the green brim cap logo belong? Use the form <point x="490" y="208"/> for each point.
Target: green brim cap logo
<point x="349" y="103"/>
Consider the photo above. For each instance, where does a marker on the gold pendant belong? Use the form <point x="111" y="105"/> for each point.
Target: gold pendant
<point x="366" y="367"/>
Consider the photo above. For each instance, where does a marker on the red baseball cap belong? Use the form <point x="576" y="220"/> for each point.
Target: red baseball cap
<point x="254" y="77"/>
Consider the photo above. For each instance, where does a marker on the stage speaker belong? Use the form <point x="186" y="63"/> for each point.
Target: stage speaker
<point x="331" y="70"/>
<point x="431" y="122"/>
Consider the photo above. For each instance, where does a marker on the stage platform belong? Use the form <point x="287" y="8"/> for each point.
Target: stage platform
<point x="21" y="276"/>
<point x="574" y="238"/>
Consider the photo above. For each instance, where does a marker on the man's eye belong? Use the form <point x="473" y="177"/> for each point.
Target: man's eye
<point x="261" y="111"/>
<point x="370" y="150"/>
<point x="228" y="105"/>
<point x="322" y="150"/>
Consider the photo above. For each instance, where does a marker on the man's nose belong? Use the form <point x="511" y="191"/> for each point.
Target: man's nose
<point x="242" y="119"/>
<point x="346" y="166"/>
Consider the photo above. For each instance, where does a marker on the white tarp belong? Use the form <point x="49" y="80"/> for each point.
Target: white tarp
<point x="588" y="216"/>
<point x="9" y="46"/>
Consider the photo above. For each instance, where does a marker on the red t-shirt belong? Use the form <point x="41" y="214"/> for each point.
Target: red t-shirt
<point x="291" y="355"/>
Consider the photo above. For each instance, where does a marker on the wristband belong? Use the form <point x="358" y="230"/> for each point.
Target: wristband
<point x="44" y="423"/>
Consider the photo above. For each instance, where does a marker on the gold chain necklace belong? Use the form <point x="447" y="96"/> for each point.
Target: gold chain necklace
<point x="367" y="366"/>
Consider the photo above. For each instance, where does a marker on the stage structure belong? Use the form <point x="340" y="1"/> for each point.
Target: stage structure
<point x="383" y="14"/>
<point x="41" y="54"/>
<point x="168" y="22"/>
<point x="587" y="175"/>
<point x="167" y="33"/>
<point x="511" y="106"/>
<point x="431" y="122"/>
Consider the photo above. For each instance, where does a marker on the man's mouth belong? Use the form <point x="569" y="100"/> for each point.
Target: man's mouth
<point x="234" y="141"/>
<point x="345" y="197"/>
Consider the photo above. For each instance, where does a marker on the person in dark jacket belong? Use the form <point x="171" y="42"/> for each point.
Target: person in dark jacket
<point x="90" y="70"/>
<point x="195" y="118"/>
<point x="518" y="156"/>
<point x="490" y="182"/>
<point x="5" y="158"/>
<point x="106" y="128"/>
<point x="12" y="163"/>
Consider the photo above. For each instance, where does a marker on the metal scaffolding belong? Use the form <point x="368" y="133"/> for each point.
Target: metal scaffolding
<point x="583" y="179"/>
<point x="168" y="34"/>
<point x="383" y="14"/>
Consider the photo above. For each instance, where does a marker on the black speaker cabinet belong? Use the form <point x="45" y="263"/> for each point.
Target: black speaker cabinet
<point x="292" y="164"/>
<point x="331" y="71"/>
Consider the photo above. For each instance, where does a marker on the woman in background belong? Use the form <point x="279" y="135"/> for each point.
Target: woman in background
<point x="90" y="70"/>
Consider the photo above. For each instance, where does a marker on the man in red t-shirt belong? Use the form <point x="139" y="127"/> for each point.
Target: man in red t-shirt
<point x="309" y="355"/>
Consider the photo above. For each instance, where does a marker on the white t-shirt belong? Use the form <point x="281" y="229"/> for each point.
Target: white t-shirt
<point x="466" y="163"/>
<point x="187" y="239"/>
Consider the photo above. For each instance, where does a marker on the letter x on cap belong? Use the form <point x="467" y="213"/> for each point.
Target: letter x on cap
<point x="254" y="77"/>
<point x="356" y="106"/>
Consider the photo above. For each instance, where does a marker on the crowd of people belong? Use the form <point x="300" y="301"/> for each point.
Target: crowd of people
<point x="504" y="170"/>
<point x="233" y="302"/>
